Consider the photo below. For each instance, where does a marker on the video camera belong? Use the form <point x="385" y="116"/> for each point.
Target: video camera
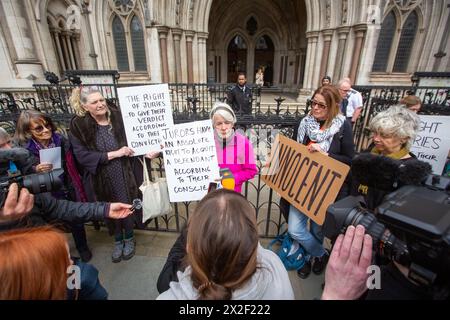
<point x="35" y="183"/>
<point x="411" y="226"/>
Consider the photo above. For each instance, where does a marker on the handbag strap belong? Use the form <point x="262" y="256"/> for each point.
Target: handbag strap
<point x="144" y="168"/>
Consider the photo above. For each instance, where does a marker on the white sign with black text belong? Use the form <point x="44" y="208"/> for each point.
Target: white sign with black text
<point x="432" y="143"/>
<point x="146" y="110"/>
<point x="190" y="160"/>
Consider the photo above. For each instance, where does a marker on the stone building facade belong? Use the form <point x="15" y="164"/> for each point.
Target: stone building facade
<point x="374" y="42"/>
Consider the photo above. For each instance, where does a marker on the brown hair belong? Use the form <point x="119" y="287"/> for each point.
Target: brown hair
<point x="23" y="132"/>
<point x="332" y="99"/>
<point x="33" y="264"/>
<point x="222" y="242"/>
<point x="410" y="101"/>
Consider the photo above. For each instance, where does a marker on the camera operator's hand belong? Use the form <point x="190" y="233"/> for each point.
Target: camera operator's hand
<point x="44" y="167"/>
<point x="346" y="274"/>
<point x="119" y="210"/>
<point x="16" y="206"/>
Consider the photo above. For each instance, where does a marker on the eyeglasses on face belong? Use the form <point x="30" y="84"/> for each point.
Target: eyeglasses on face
<point x="40" y="128"/>
<point x="319" y="104"/>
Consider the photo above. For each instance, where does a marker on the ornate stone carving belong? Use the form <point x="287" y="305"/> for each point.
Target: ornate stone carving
<point x="328" y="13"/>
<point x="177" y="12"/>
<point x="122" y="7"/>
<point x="407" y="5"/>
<point x="191" y="12"/>
<point x="148" y="13"/>
<point x="344" y="11"/>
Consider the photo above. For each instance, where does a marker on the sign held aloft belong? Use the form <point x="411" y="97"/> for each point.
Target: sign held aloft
<point x="146" y="110"/>
<point x="432" y="142"/>
<point x="190" y="160"/>
<point x="309" y="181"/>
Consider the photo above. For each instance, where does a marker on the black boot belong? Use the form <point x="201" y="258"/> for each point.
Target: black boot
<point x="305" y="270"/>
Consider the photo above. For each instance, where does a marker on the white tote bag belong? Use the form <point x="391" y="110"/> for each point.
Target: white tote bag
<point x="155" y="196"/>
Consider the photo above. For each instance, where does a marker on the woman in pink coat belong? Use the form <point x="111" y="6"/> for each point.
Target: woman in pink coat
<point x="234" y="150"/>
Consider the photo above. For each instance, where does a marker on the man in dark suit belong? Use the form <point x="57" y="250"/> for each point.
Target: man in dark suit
<point x="240" y="96"/>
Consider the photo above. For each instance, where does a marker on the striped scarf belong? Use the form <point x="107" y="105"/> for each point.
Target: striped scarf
<point x="310" y="127"/>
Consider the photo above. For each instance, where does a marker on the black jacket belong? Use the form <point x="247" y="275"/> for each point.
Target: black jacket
<point x="240" y="100"/>
<point x="47" y="210"/>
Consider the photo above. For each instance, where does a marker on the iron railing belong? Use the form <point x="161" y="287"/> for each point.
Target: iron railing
<point x="192" y="102"/>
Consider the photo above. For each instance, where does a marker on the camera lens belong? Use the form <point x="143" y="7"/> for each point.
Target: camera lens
<point x="43" y="182"/>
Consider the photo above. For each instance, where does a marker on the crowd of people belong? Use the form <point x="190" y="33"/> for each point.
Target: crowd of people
<point x="217" y="255"/>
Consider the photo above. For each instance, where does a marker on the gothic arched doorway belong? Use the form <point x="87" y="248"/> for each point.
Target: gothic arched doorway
<point x="237" y="58"/>
<point x="264" y="57"/>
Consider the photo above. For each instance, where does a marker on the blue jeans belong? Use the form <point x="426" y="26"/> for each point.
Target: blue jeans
<point x="298" y="229"/>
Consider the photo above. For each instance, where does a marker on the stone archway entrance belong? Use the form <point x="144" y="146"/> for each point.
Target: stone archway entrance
<point x="237" y="58"/>
<point x="264" y="58"/>
<point x="243" y="35"/>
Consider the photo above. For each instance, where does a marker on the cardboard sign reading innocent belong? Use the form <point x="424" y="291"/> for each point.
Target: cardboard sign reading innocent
<point x="309" y="181"/>
<point x="145" y="111"/>
<point x="190" y="160"/>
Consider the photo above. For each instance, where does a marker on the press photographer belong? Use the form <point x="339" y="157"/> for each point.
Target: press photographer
<point x="403" y="208"/>
<point x="411" y="229"/>
<point x="20" y="208"/>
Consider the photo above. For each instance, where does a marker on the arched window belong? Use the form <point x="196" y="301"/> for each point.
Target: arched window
<point x="406" y="43"/>
<point x="137" y="44"/>
<point x="128" y="36"/>
<point x="120" y="44"/>
<point x="384" y="45"/>
<point x="65" y="43"/>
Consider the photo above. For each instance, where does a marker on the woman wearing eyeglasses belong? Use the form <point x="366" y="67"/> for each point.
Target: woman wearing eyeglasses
<point x="323" y="130"/>
<point x="36" y="131"/>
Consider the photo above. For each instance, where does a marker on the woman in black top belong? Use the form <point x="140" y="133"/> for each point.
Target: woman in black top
<point x="324" y="130"/>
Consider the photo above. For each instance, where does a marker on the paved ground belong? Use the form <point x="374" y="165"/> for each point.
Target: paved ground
<point x="136" y="279"/>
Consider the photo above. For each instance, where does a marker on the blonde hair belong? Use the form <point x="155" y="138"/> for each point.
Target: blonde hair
<point x="397" y="121"/>
<point x="79" y="97"/>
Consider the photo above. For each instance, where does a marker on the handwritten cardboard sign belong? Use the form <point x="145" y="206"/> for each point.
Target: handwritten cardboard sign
<point x="309" y="181"/>
<point x="146" y="110"/>
<point x="432" y="143"/>
<point x="190" y="160"/>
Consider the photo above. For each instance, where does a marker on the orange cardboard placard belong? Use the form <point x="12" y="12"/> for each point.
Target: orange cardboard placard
<point x="309" y="181"/>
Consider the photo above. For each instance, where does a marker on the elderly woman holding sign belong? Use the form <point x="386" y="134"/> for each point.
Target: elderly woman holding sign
<point x="234" y="151"/>
<point x="109" y="170"/>
<point x="323" y="130"/>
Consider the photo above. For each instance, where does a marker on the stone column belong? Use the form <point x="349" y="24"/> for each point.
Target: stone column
<point x="360" y="31"/>
<point x="67" y="35"/>
<point x="85" y="11"/>
<point x="201" y="38"/>
<point x="75" y="39"/>
<point x="176" y="44"/>
<point x="327" y="34"/>
<point x="311" y="52"/>
<point x="60" y="56"/>
<point x="20" y="41"/>
<point x="342" y="34"/>
<point x="162" y="32"/>
<point x="312" y="37"/>
<point x="190" y="62"/>
<point x="66" y="57"/>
